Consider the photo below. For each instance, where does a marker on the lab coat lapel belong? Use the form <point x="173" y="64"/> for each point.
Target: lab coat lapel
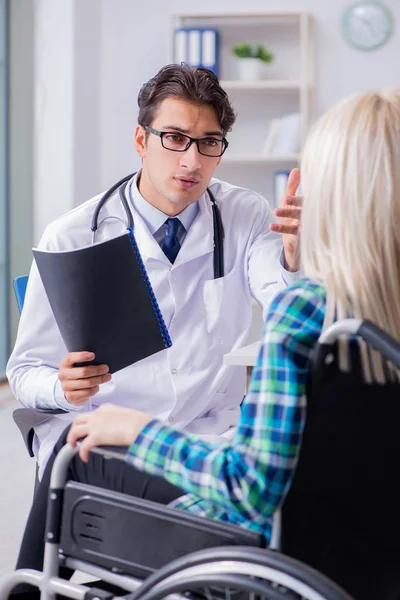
<point x="199" y="239"/>
<point x="148" y="246"/>
<point x="114" y="216"/>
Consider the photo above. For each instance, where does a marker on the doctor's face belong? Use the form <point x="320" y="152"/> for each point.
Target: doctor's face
<point x="173" y="180"/>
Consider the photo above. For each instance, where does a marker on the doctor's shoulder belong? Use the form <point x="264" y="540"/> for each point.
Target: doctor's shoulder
<point x="240" y="202"/>
<point x="72" y="229"/>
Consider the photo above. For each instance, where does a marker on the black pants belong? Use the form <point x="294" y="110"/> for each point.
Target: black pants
<point x="111" y="474"/>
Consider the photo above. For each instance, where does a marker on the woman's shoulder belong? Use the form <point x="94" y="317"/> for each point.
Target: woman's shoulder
<point x="307" y="287"/>
<point x="305" y="299"/>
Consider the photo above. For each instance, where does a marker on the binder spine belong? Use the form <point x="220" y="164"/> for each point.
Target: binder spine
<point x="163" y="328"/>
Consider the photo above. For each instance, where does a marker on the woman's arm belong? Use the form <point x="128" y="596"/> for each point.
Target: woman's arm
<point x="250" y="475"/>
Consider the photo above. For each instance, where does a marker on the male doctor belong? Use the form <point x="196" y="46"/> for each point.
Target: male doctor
<point x="184" y="116"/>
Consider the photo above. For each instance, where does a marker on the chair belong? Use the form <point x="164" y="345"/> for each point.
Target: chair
<point x="19" y="285"/>
<point x="186" y="553"/>
<point x="341" y="514"/>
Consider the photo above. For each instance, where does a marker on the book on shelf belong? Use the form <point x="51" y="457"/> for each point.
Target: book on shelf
<point x="197" y="46"/>
<point x="283" y="136"/>
<point x="280" y="184"/>
<point x="272" y="136"/>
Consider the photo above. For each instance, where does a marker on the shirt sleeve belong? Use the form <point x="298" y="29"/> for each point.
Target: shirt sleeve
<point x="33" y="366"/>
<point x="247" y="478"/>
<point x="266" y="266"/>
<point x="289" y="277"/>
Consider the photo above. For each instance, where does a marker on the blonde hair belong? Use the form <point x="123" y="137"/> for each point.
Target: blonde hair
<point x="350" y="228"/>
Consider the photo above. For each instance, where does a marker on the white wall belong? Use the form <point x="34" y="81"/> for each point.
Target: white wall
<point x="93" y="56"/>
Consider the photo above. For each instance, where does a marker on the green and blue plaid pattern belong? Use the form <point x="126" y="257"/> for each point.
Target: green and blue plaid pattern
<point x="244" y="481"/>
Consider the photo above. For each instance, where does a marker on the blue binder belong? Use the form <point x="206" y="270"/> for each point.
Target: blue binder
<point x="280" y="183"/>
<point x="197" y="46"/>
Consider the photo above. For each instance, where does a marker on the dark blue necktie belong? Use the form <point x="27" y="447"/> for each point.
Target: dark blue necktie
<point x="171" y="245"/>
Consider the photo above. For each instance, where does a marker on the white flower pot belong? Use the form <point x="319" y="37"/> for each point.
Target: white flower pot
<point x="249" y="69"/>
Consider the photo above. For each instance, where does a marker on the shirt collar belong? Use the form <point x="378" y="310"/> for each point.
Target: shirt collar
<point x="152" y="216"/>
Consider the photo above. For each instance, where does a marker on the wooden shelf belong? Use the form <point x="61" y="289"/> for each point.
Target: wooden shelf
<point x="287" y="88"/>
<point x="240" y="15"/>
<point x="263" y="84"/>
<point x="259" y="159"/>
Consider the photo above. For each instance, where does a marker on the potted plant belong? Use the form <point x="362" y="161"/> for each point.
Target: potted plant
<point x="251" y="58"/>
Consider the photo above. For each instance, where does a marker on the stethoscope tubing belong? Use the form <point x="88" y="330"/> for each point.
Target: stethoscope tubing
<point x="217" y="221"/>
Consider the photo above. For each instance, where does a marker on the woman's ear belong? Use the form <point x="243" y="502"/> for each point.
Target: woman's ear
<point x="140" y="141"/>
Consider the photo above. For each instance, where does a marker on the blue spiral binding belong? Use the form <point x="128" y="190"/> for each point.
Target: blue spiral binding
<point x="153" y="299"/>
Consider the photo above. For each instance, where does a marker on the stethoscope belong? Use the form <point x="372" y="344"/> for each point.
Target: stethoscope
<point x="217" y="221"/>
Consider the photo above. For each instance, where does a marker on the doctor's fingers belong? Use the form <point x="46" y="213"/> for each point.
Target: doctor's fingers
<point x="293" y="182"/>
<point x="292" y="228"/>
<point x="74" y="357"/>
<point x="291" y="201"/>
<point x="288" y="212"/>
<point x="75" y="383"/>
<point x="82" y="372"/>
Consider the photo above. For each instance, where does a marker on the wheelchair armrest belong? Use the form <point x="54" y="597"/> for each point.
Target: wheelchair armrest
<point x="113" y="527"/>
<point x="27" y="419"/>
<point x="118" y="452"/>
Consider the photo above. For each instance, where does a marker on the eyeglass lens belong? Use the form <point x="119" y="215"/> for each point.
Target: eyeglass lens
<point x="180" y="142"/>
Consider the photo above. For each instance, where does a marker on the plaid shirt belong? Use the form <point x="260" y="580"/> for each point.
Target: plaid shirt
<point x="245" y="480"/>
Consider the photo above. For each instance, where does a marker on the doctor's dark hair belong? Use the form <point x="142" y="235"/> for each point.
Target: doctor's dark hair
<point x="193" y="84"/>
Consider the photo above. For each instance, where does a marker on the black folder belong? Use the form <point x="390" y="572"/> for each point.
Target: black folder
<point x="103" y="301"/>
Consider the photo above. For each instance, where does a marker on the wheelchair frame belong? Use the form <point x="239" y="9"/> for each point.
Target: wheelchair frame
<point x="255" y="570"/>
<point x="202" y="566"/>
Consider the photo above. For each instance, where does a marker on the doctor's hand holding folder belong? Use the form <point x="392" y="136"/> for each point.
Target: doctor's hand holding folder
<point x="103" y="302"/>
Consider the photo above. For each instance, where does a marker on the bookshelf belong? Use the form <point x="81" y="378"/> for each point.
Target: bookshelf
<point x="287" y="86"/>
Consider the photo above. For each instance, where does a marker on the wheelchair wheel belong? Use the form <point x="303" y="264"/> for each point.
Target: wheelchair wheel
<point x="238" y="573"/>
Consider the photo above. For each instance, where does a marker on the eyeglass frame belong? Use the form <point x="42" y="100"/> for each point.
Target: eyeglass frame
<point x="192" y="140"/>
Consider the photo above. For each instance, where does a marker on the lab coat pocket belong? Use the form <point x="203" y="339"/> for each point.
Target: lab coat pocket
<point x="227" y="307"/>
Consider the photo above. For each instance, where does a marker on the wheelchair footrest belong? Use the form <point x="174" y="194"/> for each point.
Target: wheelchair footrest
<point x="135" y="536"/>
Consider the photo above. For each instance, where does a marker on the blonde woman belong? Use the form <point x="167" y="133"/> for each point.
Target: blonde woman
<point x="350" y="249"/>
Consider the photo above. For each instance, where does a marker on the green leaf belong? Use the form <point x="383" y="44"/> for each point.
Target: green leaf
<point x="247" y="50"/>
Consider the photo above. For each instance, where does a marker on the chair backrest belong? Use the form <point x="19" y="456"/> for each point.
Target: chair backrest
<point x="341" y="514"/>
<point x="19" y="285"/>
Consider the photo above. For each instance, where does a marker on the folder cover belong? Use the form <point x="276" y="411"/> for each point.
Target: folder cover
<point x="103" y="301"/>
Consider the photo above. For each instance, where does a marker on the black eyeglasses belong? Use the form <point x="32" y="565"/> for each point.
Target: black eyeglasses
<point x="178" y="142"/>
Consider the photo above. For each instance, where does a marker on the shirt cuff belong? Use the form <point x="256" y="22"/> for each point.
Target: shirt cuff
<point x="60" y="399"/>
<point x="289" y="276"/>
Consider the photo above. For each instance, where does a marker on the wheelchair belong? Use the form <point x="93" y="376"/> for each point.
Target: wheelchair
<point x="340" y="519"/>
<point x="101" y="533"/>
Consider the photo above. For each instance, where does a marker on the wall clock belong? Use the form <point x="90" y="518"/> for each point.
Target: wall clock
<point x="367" y="24"/>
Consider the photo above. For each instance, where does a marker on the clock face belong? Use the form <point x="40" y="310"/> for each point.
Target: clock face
<point x="366" y="25"/>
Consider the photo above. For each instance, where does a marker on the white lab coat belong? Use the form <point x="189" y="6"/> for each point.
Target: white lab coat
<point x="187" y="384"/>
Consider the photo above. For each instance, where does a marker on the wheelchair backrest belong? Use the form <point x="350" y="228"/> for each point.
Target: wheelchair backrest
<point x="344" y="502"/>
